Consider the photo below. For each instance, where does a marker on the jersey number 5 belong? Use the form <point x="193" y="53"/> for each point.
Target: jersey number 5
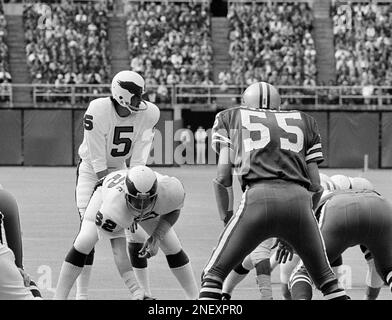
<point x="265" y="135"/>
<point x="121" y="140"/>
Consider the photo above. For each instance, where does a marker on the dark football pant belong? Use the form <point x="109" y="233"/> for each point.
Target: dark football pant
<point x="272" y="209"/>
<point x="11" y="224"/>
<point x="359" y="219"/>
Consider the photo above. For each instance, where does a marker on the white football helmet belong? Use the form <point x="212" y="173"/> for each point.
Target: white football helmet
<point x="327" y="183"/>
<point x="361" y="184"/>
<point x="127" y="89"/>
<point x="341" y="181"/>
<point x="141" y="190"/>
<point x="261" y="95"/>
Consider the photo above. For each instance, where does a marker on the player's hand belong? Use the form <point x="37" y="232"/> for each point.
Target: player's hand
<point x="26" y="277"/>
<point x="133" y="227"/>
<point x="150" y="248"/>
<point x="284" y="252"/>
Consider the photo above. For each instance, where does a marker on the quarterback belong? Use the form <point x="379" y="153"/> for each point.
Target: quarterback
<point x="117" y="129"/>
<point x="132" y="199"/>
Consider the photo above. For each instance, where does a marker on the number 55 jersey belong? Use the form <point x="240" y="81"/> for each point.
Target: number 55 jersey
<point x="268" y="144"/>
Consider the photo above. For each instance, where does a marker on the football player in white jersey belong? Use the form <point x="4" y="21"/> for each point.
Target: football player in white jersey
<point x="117" y="129"/>
<point x="132" y="199"/>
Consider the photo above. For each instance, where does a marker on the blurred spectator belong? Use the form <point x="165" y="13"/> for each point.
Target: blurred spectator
<point x="71" y="41"/>
<point x="363" y="50"/>
<point x="271" y="42"/>
<point x="166" y="38"/>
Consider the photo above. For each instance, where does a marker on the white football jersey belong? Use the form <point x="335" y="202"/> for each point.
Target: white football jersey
<point x="110" y="139"/>
<point x="114" y="214"/>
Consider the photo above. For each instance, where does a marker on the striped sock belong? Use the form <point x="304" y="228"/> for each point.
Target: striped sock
<point x="332" y="291"/>
<point x="301" y="287"/>
<point x="211" y="289"/>
<point x="389" y="280"/>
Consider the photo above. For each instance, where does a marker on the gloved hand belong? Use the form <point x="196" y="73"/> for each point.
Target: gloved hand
<point x="284" y="252"/>
<point x="150" y="248"/>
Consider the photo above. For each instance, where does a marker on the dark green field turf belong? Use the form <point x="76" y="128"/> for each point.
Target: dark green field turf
<point x="50" y="223"/>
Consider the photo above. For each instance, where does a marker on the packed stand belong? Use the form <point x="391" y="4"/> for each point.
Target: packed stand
<point x="363" y="51"/>
<point x="5" y="76"/>
<point x="170" y="43"/>
<point x="67" y="43"/>
<point x="271" y="42"/>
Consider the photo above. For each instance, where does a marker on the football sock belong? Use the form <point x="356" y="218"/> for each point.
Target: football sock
<point x="301" y="286"/>
<point x="263" y="279"/>
<point x="139" y="266"/>
<point x="232" y="280"/>
<point x="372" y="293"/>
<point x="389" y="280"/>
<point x="331" y="291"/>
<point x="285" y="291"/>
<point x="82" y="283"/>
<point x="211" y="289"/>
<point x="181" y="268"/>
<point x="137" y="293"/>
<point x="83" y="280"/>
<point x="68" y="274"/>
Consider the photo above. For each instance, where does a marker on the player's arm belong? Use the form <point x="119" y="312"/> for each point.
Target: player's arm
<point x="223" y="183"/>
<point x="165" y="222"/>
<point x="315" y="188"/>
<point x="313" y="157"/>
<point x="95" y="137"/>
<point x="141" y="147"/>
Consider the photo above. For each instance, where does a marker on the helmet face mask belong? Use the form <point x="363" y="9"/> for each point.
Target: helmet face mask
<point x="141" y="203"/>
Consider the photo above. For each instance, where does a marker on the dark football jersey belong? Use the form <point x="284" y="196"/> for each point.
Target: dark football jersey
<point x="268" y="144"/>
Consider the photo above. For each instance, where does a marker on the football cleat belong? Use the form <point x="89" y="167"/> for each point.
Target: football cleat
<point x="261" y="95"/>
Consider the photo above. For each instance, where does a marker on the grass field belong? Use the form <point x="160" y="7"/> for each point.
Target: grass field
<point x="50" y="223"/>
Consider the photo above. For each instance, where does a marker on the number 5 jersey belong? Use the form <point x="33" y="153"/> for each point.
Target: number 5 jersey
<point x="124" y="137"/>
<point x="268" y="144"/>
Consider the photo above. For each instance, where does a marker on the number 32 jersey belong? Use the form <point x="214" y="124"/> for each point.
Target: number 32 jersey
<point x="115" y="215"/>
<point x="110" y="139"/>
<point x="268" y="144"/>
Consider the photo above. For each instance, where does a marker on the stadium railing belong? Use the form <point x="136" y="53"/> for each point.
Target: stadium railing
<point x="204" y="96"/>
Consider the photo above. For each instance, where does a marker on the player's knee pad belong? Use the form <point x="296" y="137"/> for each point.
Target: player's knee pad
<point x="90" y="258"/>
<point x="263" y="267"/>
<point x="76" y="258"/>
<point x="337" y="262"/>
<point x="240" y="269"/>
<point x="136" y="261"/>
<point x="177" y="260"/>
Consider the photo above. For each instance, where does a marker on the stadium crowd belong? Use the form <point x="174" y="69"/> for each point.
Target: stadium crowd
<point x="67" y="44"/>
<point x="5" y="76"/>
<point x="170" y="43"/>
<point x="363" y="51"/>
<point x="271" y="42"/>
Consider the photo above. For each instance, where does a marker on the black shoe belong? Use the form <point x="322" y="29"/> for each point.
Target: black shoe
<point x="226" y="296"/>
